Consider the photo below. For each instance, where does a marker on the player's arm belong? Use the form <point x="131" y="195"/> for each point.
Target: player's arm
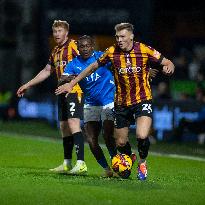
<point x="65" y="79"/>
<point x="67" y="87"/>
<point x="68" y="74"/>
<point x="168" y="66"/>
<point x="41" y="76"/>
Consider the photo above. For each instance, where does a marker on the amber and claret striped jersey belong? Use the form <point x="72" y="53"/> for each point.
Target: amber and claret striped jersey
<point x="131" y="72"/>
<point x="60" y="56"/>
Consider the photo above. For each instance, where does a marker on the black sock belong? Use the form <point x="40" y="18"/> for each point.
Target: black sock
<point x="126" y="149"/>
<point x="79" y="145"/>
<point x="68" y="147"/>
<point x="143" y="147"/>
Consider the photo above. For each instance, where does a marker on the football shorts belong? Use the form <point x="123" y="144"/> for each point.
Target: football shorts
<point x="70" y="107"/>
<point x="126" y="115"/>
<point x="98" y="113"/>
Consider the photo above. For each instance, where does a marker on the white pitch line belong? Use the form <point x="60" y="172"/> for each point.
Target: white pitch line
<point x="176" y="156"/>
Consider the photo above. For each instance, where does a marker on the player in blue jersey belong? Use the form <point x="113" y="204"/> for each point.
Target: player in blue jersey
<point x="98" y="89"/>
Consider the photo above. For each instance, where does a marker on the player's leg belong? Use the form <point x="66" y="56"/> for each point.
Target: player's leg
<point x="66" y="136"/>
<point x="75" y="113"/>
<point x="107" y="118"/>
<point x="122" y="121"/>
<point x="143" y="122"/>
<point x="122" y="141"/>
<point x="108" y="135"/>
<point x="92" y="130"/>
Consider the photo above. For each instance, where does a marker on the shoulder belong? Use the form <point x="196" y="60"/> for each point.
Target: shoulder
<point x="110" y="50"/>
<point x="74" y="60"/>
<point x="98" y="53"/>
<point x="144" y="45"/>
<point x="139" y="44"/>
<point x="72" y="43"/>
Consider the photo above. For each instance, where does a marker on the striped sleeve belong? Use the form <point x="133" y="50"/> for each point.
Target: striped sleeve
<point x="105" y="57"/>
<point x="153" y="55"/>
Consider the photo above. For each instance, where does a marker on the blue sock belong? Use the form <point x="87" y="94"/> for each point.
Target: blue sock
<point x="112" y="152"/>
<point x="103" y="162"/>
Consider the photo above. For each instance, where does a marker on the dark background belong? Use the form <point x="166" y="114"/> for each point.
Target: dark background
<point x="175" y="28"/>
<point x="25" y="37"/>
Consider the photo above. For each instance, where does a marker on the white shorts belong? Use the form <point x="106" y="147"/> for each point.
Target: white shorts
<point x="98" y="113"/>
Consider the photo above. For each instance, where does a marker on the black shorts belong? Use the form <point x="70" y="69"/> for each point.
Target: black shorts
<point x="126" y="115"/>
<point x="70" y="107"/>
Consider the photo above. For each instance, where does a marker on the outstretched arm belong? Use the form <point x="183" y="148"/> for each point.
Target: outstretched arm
<point x="168" y="66"/>
<point x="41" y="76"/>
<point x="67" y="87"/>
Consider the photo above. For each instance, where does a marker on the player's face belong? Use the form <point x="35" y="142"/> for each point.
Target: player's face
<point x="85" y="48"/>
<point x="124" y="39"/>
<point x="60" y="35"/>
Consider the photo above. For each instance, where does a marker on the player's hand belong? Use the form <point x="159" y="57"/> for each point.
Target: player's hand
<point x="153" y="73"/>
<point x="65" y="88"/>
<point x="168" y="70"/>
<point x="21" y="91"/>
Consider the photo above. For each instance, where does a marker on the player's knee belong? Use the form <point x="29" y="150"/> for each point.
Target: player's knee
<point x="121" y="142"/>
<point x="141" y="136"/>
<point x="63" y="127"/>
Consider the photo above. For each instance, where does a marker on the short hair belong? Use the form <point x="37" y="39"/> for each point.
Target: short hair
<point x="85" y="37"/>
<point x="127" y="26"/>
<point x="59" y="23"/>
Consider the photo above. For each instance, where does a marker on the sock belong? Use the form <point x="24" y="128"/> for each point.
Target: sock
<point x="98" y="154"/>
<point x="126" y="149"/>
<point x="79" y="145"/>
<point x="103" y="162"/>
<point x="143" y="148"/>
<point x="67" y="162"/>
<point x="68" y="147"/>
<point x="112" y="152"/>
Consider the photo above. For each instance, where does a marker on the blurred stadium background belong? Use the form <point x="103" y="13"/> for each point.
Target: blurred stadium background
<point x="177" y="29"/>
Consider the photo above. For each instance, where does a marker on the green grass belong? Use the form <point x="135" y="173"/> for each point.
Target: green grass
<point x="36" y="128"/>
<point x="25" y="179"/>
<point x="40" y="128"/>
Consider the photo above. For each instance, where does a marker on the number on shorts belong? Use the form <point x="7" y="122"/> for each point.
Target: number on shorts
<point x="147" y="107"/>
<point x="72" y="107"/>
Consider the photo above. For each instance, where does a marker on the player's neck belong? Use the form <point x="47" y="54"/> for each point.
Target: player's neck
<point x="129" y="47"/>
<point x="63" y="42"/>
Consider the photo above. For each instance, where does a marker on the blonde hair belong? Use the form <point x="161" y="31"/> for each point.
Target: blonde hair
<point x="59" y="23"/>
<point x="127" y="26"/>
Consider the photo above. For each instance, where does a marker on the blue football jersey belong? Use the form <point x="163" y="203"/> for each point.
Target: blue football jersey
<point x="99" y="87"/>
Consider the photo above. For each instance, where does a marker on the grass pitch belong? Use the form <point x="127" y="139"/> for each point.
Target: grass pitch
<point x="25" y="179"/>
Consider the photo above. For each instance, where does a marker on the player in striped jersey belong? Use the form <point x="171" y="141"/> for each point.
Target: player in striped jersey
<point x="70" y="110"/>
<point x="130" y="65"/>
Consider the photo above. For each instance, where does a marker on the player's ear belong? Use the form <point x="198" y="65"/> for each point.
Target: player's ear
<point x="131" y="36"/>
